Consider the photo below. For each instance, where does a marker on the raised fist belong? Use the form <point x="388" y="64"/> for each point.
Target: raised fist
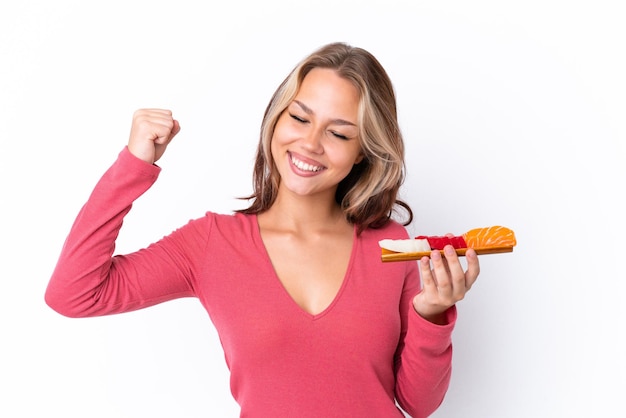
<point x="151" y="132"/>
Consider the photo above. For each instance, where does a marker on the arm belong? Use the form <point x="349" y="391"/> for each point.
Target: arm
<point x="424" y="356"/>
<point x="87" y="279"/>
<point x="424" y="368"/>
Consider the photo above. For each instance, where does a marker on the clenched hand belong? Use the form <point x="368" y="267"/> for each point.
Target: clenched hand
<point x="151" y="132"/>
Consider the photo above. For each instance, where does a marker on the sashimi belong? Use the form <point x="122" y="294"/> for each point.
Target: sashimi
<point x="489" y="240"/>
<point x="405" y="245"/>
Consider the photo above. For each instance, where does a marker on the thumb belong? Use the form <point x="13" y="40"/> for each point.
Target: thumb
<point x="175" y="129"/>
<point x="164" y="140"/>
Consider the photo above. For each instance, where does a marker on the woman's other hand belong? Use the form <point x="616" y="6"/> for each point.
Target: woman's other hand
<point x="444" y="282"/>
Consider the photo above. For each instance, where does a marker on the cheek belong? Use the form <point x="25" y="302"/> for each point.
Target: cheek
<point x="348" y="155"/>
<point x="284" y="132"/>
<point x="277" y="139"/>
<point x="274" y="150"/>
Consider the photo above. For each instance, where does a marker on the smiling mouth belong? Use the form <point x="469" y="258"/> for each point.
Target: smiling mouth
<point x="301" y="165"/>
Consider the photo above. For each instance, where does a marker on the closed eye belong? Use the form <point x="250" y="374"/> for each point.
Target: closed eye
<point x="338" y="135"/>
<point x="298" y="118"/>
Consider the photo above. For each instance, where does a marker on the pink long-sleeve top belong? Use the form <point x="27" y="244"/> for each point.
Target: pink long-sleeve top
<point x="365" y="351"/>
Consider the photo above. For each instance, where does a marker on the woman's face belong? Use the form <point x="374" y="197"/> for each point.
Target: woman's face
<point x="315" y="141"/>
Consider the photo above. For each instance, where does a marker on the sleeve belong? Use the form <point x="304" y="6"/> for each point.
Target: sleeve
<point x="89" y="281"/>
<point x="424" y="356"/>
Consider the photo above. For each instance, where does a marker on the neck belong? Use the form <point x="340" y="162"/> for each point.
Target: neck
<point x="306" y="213"/>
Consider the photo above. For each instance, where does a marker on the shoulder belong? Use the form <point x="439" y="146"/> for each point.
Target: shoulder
<point x="232" y="227"/>
<point x="231" y="220"/>
<point x="226" y="225"/>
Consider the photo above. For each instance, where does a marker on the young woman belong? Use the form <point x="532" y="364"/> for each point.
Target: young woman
<point x="312" y="323"/>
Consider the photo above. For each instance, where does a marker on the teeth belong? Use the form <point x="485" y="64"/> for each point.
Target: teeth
<point x="304" y="166"/>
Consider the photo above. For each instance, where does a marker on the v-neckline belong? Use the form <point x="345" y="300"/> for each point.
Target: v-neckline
<point x="289" y="297"/>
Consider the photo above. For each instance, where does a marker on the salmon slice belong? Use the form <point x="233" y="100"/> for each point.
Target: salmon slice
<point x="490" y="237"/>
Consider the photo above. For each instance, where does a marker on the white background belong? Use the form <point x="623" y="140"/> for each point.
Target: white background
<point x="513" y="114"/>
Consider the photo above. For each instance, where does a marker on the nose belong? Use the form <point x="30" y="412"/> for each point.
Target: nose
<point x="312" y="141"/>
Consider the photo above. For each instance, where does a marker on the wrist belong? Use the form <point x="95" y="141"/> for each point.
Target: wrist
<point x="436" y="317"/>
<point x="146" y="155"/>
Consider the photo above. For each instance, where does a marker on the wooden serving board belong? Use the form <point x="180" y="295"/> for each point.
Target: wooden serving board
<point x="394" y="256"/>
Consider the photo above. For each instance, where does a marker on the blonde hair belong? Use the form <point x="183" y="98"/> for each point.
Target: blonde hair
<point x="369" y="194"/>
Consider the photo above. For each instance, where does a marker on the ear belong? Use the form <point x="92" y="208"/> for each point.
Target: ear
<point x="359" y="158"/>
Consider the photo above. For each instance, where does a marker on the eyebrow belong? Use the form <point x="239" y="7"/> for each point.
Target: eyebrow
<point x="309" y="111"/>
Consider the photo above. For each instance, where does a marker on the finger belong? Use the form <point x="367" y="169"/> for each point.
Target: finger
<point x="149" y="119"/>
<point x="159" y="128"/>
<point x="175" y="129"/>
<point x="154" y="113"/>
<point x="455" y="269"/>
<point x="441" y="274"/>
<point x="171" y="125"/>
<point x="428" y="281"/>
<point x="171" y="131"/>
<point x="473" y="268"/>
